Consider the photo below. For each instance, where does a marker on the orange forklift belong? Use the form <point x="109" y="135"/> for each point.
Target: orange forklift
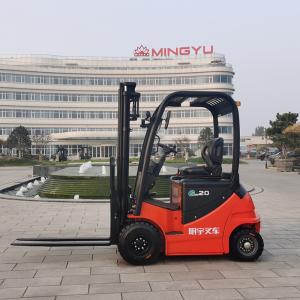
<point x="208" y="211"/>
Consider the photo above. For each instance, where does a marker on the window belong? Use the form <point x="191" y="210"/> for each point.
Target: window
<point x="174" y="80"/>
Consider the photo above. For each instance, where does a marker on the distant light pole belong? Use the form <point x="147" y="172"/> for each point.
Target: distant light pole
<point x="266" y="157"/>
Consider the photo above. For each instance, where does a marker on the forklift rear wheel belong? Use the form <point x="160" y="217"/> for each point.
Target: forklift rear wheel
<point x="246" y="245"/>
<point x="140" y="243"/>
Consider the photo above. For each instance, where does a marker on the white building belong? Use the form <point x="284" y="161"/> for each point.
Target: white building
<point x="74" y="100"/>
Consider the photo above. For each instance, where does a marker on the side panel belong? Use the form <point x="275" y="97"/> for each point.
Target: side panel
<point x="200" y="197"/>
<point x="242" y="214"/>
<point x="207" y="235"/>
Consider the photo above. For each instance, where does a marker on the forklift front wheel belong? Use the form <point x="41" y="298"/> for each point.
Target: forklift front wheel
<point x="246" y="245"/>
<point x="140" y="243"/>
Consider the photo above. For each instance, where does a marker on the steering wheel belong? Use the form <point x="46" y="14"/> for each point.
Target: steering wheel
<point x="167" y="149"/>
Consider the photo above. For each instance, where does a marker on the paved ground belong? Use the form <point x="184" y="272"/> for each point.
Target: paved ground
<point x="13" y="174"/>
<point x="99" y="273"/>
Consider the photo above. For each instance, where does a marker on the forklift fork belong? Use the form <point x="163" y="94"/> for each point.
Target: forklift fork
<point x="82" y="241"/>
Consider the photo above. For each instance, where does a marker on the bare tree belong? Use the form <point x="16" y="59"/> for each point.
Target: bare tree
<point x="182" y="145"/>
<point x="41" y="140"/>
<point x="259" y="131"/>
<point x="2" y="143"/>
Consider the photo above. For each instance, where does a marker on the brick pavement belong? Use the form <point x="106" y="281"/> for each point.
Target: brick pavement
<point x="100" y="273"/>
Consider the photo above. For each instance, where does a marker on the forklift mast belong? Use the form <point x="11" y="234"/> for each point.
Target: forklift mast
<point x="128" y="110"/>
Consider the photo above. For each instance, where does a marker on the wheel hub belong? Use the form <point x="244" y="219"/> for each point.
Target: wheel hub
<point x="248" y="245"/>
<point x="140" y="245"/>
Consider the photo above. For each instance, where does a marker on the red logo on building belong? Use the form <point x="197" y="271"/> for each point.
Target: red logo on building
<point x="178" y="51"/>
<point x="141" y="51"/>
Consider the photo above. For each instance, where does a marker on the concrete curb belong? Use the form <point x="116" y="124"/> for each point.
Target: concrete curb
<point x="16" y="198"/>
<point x="8" y="187"/>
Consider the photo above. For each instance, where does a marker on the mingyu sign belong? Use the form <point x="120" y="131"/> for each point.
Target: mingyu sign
<point x="143" y="51"/>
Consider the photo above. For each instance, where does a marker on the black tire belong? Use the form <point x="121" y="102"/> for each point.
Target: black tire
<point x="140" y="243"/>
<point x="246" y="245"/>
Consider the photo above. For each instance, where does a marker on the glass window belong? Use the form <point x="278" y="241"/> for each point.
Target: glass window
<point x="175" y="80"/>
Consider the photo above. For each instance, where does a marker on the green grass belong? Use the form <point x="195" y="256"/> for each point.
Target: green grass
<point x="92" y="187"/>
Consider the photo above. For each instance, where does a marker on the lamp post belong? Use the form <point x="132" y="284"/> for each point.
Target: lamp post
<point x="266" y="157"/>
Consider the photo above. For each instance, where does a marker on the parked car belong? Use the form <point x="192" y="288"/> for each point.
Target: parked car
<point x="272" y="158"/>
<point x="293" y="154"/>
<point x="243" y="151"/>
<point x="262" y="155"/>
<point x="252" y="153"/>
<point x="280" y="155"/>
<point x="267" y="153"/>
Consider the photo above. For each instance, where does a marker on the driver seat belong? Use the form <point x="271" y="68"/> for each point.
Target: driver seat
<point x="212" y="154"/>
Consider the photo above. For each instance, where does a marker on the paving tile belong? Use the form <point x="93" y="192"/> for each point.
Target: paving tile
<point x="93" y="263"/>
<point x="23" y="259"/>
<point x="33" y="252"/>
<point x="211" y="294"/>
<point x="89" y="279"/>
<point x="106" y="288"/>
<point x="279" y="281"/>
<point x="11" y="293"/>
<point x="91" y="297"/>
<point x="138" y="277"/>
<point x="294" y="264"/>
<point x="263" y="265"/>
<point x="248" y="273"/>
<point x="284" y="251"/>
<point x="63" y="272"/>
<point x="35" y="298"/>
<point x="228" y="283"/>
<point x="6" y="267"/>
<point x="213" y="265"/>
<point x="196" y="275"/>
<point x="116" y="269"/>
<point x="56" y="290"/>
<point x="101" y="251"/>
<point x="166" y="268"/>
<point x="175" y="285"/>
<point x="112" y="255"/>
<point x="65" y="258"/>
<point x="31" y="282"/>
<point x="17" y="274"/>
<point x="273" y="292"/>
<point x="287" y="272"/>
<point x="40" y="266"/>
<point x="165" y="295"/>
<point x="14" y="251"/>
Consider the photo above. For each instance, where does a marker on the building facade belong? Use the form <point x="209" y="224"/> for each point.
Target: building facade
<point x="73" y="101"/>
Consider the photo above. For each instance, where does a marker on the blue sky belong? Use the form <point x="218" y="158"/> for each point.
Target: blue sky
<point x="261" y="39"/>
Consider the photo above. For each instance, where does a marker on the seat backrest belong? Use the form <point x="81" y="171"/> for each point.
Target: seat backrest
<point x="212" y="153"/>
